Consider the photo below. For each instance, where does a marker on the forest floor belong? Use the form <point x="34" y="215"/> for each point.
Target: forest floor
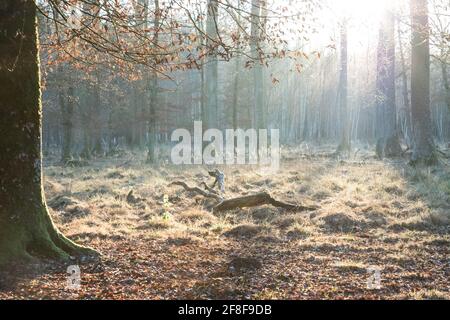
<point x="371" y="214"/>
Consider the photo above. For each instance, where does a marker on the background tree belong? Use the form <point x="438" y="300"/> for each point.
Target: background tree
<point x="424" y="149"/>
<point x="388" y="138"/>
<point x="211" y="68"/>
<point x="344" y="144"/>
<point x="153" y="98"/>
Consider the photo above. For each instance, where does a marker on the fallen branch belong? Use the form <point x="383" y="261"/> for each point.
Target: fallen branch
<point x="124" y="163"/>
<point x="442" y="153"/>
<point x="209" y="189"/>
<point x="196" y="190"/>
<point x="257" y="200"/>
<point x="254" y="200"/>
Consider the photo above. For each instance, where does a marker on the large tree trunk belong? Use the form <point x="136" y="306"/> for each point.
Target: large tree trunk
<point x="423" y="150"/>
<point x="26" y="228"/>
<point x="388" y="142"/>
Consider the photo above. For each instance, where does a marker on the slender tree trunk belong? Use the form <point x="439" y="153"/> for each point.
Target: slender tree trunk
<point x="344" y="144"/>
<point x="236" y="92"/>
<point x="86" y="116"/>
<point x="406" y="102"/>
<point x="257" y="33"/>
<point x="203" y="113"/>
<point x="152" y="130"/>
<point x="305" y="132"/>
<point x="26" y="228"/>
<point x="211" y="68"/>
<point x="67" y="108"/>
<point x="140" y="86"/>
<point x="446" y="84"/>
<point x="203" y="110"/>
<point x="424" y="150"/>
<point x="388" y="144"/>
<point x="137" y="115"/>
<point x="254" y="53"/>
<point x="111" y="133"/>
<point x="96" y="117"/>
<point x="237" y="72"/>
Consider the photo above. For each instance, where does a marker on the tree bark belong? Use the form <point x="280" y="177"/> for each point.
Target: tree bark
<point x="257" y="33"/>
<point x="236" y="83"/>
<point x="152" y="132"/>
<point x="96" y="117"/>
<point x="388" y="142"/>
<point x="406" y="102"/>
<point x="26" y="228"/>
<point x="211" y="68"/>
<point x="86" y="111"/>
<point x="446" y="84"/>
<point x="67" y="108"/>
<point x="424" y="149"/>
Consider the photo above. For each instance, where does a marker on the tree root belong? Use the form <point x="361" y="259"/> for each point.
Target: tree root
<point x="38" y="238"/>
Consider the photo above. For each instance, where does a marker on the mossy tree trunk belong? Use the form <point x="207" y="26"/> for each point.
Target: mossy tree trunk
<point x="26" y="228"/>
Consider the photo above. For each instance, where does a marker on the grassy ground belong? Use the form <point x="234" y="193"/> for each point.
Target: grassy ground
<point x="371" y="214"/>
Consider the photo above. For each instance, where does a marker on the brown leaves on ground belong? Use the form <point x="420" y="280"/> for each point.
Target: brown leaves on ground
<point x="168" y="246"/>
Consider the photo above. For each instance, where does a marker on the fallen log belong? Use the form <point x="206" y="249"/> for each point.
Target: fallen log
<point x="255" y="200"/>
<point x="208" y="188"/>
<point x="259" y="199"/>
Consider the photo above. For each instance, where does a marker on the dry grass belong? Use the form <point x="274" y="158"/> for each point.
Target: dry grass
<point x="370" y="213"/>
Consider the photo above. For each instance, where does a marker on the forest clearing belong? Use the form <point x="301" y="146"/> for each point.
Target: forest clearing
<point x="370" y="213"/>
<point x="225" y="150"/>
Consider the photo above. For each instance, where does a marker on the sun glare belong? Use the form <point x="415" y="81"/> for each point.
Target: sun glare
<point x="361" y="8"/>
<point x="363" y="17"/>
